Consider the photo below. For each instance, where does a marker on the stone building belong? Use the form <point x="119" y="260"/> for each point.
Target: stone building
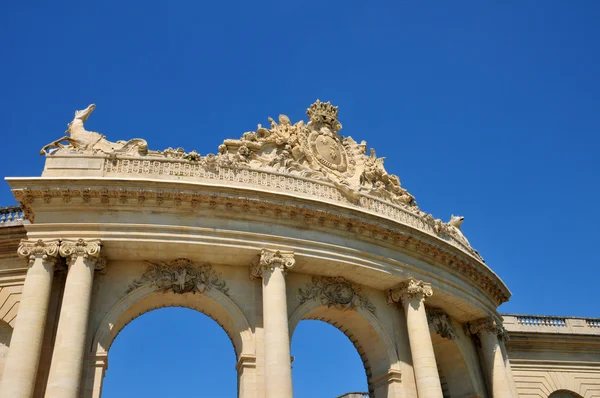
<point x="289" y="222"/>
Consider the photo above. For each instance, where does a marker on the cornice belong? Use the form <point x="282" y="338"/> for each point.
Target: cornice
<point x="367" y="226"/>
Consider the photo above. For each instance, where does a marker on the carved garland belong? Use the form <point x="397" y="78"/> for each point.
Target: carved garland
<point x="440" y="323"/>
<point x="336" y="292"/>
<point x="308" y="216"/>
<point x="180" y="276"/>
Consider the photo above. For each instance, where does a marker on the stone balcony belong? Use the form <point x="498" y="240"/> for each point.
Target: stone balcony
<point x="551" y="324"/>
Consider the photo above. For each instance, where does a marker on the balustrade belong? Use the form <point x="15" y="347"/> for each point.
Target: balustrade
<point x="541" y="321"/>
<point x="11" y="215"/>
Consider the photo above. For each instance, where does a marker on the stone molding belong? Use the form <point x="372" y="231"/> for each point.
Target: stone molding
<point x="485" y="279"/>
<point x="89" y="249"/>
<point x="270" y="259"/>
<point x="410" y="290"/>
<point x="488" y="325"/>
<point x="336" y="292"/>
<point x="439" y="322"/>
<point x="48" y="250"/>
<point x="180" y="276"/>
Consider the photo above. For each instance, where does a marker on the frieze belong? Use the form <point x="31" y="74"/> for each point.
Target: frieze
<point x="336" y="292"/>
<point x="180" y="276"/>
<point x="378" y="233"/>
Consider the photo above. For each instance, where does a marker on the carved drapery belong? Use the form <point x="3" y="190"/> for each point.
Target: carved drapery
<point x="439" y="322"/>
<point x="336" y="292"/>
<point x="270" y="259"/>
<point x="180" y="276"/>
<point x="409" y="290"/>
<point x="46" y="249"/>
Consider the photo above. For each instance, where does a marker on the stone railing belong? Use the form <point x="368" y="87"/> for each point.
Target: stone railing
<point x="529" y="320"/>
<point x="184" y="170"/>
<point x="355" y="395"/>
<point x="10" y="216"/>
<point x="551" y="324"/>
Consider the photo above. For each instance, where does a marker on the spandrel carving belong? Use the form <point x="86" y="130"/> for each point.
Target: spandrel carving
<point x="180" y="276"/>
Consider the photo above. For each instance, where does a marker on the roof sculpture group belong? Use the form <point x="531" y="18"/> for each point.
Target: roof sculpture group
<point x="314" y="150"/>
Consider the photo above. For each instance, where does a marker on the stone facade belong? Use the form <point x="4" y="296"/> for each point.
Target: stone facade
<point x="292" y="221"/>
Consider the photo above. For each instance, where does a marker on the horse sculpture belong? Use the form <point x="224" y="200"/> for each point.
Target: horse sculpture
<point x="89" y="141"/>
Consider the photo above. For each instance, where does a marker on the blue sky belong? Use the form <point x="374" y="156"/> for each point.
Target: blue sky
<point x="486" y="109"/>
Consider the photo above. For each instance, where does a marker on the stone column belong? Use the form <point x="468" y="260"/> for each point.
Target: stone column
<point x="67" y="359"/>
<point x="21" y="366"/>
<point x="495" y="369"/>
<point x="272" y="267"/>
<point x="412" y="294"/>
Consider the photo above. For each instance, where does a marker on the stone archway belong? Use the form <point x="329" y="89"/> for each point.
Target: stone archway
<point x="374" y="345"/>
<point x="212" y="303"/>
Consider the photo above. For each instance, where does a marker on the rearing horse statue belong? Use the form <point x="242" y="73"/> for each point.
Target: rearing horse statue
<point x="78" y="137"/>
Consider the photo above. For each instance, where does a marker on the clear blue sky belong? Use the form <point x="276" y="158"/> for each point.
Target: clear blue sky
<point x="486" y="109"/>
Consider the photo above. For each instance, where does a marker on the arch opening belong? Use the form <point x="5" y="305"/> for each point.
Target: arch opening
<point x="212" y="303"/>
<point x="374" y="346"/>
<point x="326" y="362"/>
<point x="202" y="359"/>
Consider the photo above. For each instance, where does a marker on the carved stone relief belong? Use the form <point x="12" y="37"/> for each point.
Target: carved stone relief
<point x="274" y="156"/>
<point x="180" y="276"/>
<point x="440" y="323"/>
<point x="336" y="292"/>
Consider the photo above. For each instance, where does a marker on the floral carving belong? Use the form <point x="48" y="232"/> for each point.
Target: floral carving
<point x="336" y="292"/>
<point x="410" y="290"/>
<point x="180" y="276"/>
<point x="440" y="323"/>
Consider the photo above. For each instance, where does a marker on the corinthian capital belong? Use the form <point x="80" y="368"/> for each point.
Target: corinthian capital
<point x="270" y="259"/>
<point x="410" y="290"/>
<point x="488" y="325"/>
<point x="88" y="249"/>
<point x="45" y="249"/>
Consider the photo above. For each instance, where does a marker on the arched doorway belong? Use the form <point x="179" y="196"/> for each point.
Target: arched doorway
<point x="171" y="352"/>
<point x="326" y="363"/>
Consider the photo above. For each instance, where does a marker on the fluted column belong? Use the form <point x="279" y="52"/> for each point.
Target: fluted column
<point x="67" y="359"/>
<point x="495" y="369"/>
<point x="272" y="267"/>
<point x="20" y="368"/>
<point x="412" y="294"/>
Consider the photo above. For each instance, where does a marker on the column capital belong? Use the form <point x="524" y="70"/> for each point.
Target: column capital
<point x="45" y="249"/>
<point x="410" y="290"/>
<point x="89" y="249"/>
<point x="488" y="325"/>
<point x="270" y="259"/>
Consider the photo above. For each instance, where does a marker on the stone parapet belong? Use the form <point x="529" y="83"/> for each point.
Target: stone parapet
<point x="551" y="324"/>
